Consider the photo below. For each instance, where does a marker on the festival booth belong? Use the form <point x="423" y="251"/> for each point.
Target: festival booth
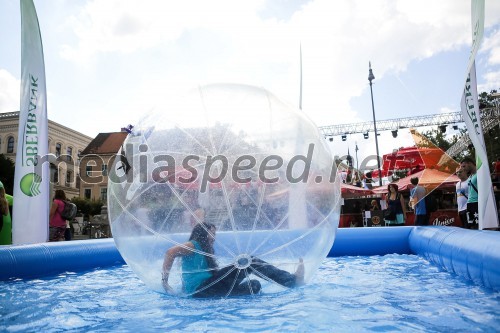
<point x="355" y="200"/>
<point x="439" y="184"/>
<point x="373" y="218"/>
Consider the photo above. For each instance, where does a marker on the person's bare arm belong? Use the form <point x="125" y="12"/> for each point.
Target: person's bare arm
<point x="53" y="209"/>
<point x="168" y="261"/>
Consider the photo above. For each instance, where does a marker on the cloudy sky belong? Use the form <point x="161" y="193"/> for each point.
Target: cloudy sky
<point x="109" y="62"/>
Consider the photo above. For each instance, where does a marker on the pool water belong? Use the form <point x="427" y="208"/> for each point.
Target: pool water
<point x="348" y="294"/>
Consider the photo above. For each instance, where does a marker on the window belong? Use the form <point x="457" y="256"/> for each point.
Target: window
<point x="89" y="167"/>
<point x="69" y="153"/>
<point x="87" y="193"/>
<point x="104" y="194"/>
<point x="53" y="171"/>
<point x="56" y="175"/>
<point x="10" y="144"/>
<point x="58" y="149"/>
<point x="79" y="156"/>
<point x="68" y="178"/>
<point x="104" y="169"/>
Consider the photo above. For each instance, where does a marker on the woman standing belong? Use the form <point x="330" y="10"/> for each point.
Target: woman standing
<point x="395" y="204"/>
<point x="201" y="276"/>
<point x="57" y="225"/>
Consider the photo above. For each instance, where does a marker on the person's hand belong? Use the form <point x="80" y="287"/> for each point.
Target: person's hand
<point x="167" y="288"/>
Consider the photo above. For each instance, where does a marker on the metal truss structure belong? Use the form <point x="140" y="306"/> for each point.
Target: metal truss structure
<point x="489" y="118"/>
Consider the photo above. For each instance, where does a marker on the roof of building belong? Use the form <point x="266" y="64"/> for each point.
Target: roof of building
<point x="105" y="143"/>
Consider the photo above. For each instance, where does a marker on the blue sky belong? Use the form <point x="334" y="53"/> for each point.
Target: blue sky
<point x="113" y="60"/>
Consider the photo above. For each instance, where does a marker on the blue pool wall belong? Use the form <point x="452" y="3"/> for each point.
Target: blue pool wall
<point x="471" y="254"/>
<point x="48" y="259"/>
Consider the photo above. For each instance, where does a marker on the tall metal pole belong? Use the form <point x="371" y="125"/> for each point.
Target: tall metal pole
<point x="300" y="94"/>
<point x="357" y="165"/>
<point x="371" y="77"/>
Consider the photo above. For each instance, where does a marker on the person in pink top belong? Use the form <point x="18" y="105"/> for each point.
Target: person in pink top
<point x="57" y="225"/>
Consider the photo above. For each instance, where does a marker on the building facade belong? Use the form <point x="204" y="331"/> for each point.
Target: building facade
<point x="96" y="159"/>
<point x="66" y="144"/>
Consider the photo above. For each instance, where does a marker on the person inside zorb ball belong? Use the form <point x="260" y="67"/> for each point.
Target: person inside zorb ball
<point x="226" y="191"/>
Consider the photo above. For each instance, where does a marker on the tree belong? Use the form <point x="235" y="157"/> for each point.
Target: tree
<point x="491" y="136"/>
<point x="87" y="207"/>
<point x="439" y="139"/>
<point x="486" y="100"/>
<point x="7" y="173"/>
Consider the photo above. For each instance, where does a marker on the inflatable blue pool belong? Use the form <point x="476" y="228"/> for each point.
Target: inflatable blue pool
<point x="376" y="279"/>
<point x="471" y="254"/>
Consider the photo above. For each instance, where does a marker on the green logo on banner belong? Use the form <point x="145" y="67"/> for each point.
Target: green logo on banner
<point x="30" y="184"/>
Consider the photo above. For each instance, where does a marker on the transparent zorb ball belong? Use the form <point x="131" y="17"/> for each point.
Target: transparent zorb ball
<point x="234" y="156"/>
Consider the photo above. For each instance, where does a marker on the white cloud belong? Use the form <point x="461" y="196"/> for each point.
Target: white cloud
<point x="491" y="44"/>
<point x="132" y="51"/>
<point x="446" y="110"/>
<point x="231" y="41"/>
<point x="9" y="92"/>
<point x="127" y="26"/>
<point x="492" y="82"/>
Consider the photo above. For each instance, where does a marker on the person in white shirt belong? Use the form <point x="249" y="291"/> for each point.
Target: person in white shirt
<point x="343" y="176"/>
<point x="462" y="189"/>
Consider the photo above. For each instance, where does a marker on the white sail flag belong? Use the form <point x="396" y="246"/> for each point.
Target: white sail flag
<point x="488" y="217"/>
<point x="31" y="180"/>
<point x="477" y="16"/>
<point x="470" y="108"/>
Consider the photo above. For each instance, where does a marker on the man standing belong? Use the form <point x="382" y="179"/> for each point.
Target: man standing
<point x="417" y="195"/>
<point x="462" y="189"/>
<point x="469" y="166"/>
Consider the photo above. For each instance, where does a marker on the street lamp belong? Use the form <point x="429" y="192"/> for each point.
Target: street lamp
<point x="356" y="151"/>
<point x="371" y="77"/>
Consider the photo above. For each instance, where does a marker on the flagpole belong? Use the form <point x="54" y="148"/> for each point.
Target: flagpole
<point x="300" y="94"/>
<point x="371" y="77"/>
<point x="356" y="151"/>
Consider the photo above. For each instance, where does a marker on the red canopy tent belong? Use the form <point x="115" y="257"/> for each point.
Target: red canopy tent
<point x="428" y="178"/>
<point x="412" y="159"/>
<point x="415" y="159"/>
<point x="351" y="191"/>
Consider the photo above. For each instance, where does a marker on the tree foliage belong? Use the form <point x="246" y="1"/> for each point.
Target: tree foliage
<point x="439" y="139"/>
<point x="486" y="100"/>
<point x="443" y="142"/>
<point x="491" y="136"/>
<point x="87" y="206"/>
